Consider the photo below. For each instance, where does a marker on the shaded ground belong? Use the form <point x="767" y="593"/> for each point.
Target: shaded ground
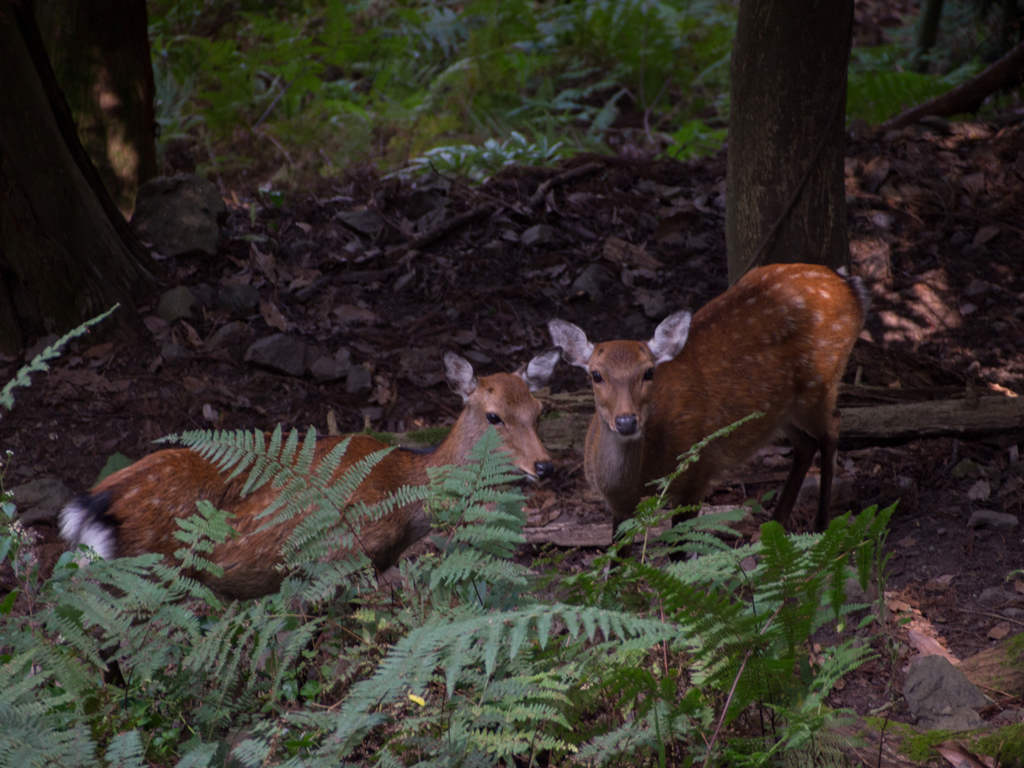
<point x="936" y="232"/>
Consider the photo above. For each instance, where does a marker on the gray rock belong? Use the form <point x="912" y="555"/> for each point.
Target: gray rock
<point x="538" y="234"/>
<point x="178" y="214"/>
<point x="965" y="468"/>
<point x="344" y="358"/>
<point x="239" y="298"/>
<point x="327" y="369"/>
<point x="40" y="499"/>
<point x="311" y="356"/>
<point x="941" y="696"/>
<point x="590" y="282"/>
<point x="365" y="222"/>
<point x="278" y="352"/>
<point x="994" y="596"/>
<point x="176" y="304"/>
<point x="359" y="381"/>
<point x="997" y="521"/>
<point x="175" y="353"/>
<point x="226" y="335"/>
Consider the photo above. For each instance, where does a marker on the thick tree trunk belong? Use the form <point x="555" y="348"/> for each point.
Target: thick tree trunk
<point x="66" y="253"/>
<point x="99" y="51"/>
<point x="785" y="195"/>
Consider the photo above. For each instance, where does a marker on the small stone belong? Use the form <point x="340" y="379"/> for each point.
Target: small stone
<point x="311" y="356"/>
<point x="175" y="353"/>
<point x="226" y="335"/>
<point x="589" y="282"/>
<point x="178" y="214"/>
<point x="40" y="499"/>
<point x="997" y="521"/>
<point x="359" y="381"/>
<point x="977" y="289"/>
<point x="239" y="298"/>
<point x="965" y="468"/>
<point x="327" y="369"/>
<point x="653" y="303"/>
<point x="538" y="234"/>
<point x="494" y="249"/>
<point x="997" y="596"/>
<point x="176" y="304"/>
<point x="372" y="412"/>
<point x="344" y="358"/>
<point x="278" y="352"/>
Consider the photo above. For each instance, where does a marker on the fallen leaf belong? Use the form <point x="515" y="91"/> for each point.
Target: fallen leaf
<point x="907" y="541"/>
<point x="980" y="491"/>
<point x="306" y="228"/>
<point x="210" y="413"/>
<point x="272" y="316"/>
<point x="959" y="757"/>
<point x="99" y="350"/>
<point x="984" y="234"/>
<point x="618" y="251"/>
<point x="193" y="337"/>
<point x="350" y="313"/>
<point x="264" y="262"/>
<point x="332" y="424"/>
<point x="929" y="646"/>
<point x="999" y="631"/>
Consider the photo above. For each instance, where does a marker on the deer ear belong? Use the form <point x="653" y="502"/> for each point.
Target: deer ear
<point x="576" y="350"/>
<point x="670" y="337"/>
<point x="537" y="372"/>
<point x="459" y="372"/>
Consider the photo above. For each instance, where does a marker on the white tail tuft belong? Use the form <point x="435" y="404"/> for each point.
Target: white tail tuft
<point x="79" y="524"/>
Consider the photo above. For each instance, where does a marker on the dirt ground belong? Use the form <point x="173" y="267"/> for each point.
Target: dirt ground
<point x="936" y="232"/>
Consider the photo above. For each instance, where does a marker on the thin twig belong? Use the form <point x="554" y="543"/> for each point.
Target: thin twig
<point x="573" y="173"/>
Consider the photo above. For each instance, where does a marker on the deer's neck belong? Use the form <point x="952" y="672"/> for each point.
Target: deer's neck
<point x="613" y="466"/>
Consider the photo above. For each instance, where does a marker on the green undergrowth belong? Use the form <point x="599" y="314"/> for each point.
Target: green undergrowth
<point x="331" y="82"/>
<point x="466" y="658"/>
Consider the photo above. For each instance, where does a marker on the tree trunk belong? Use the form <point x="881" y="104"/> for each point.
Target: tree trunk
<point x="785" y="193"/>
<point x="927" y="33"/>
<point x="66" y="253"/>
<point x="99" y="51"/>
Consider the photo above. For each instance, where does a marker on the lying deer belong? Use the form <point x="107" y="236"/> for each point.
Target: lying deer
<point x="776" y="342"/>
<point x="136" y="510"/>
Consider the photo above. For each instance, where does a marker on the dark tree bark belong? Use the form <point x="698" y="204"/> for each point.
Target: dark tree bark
<point x="785" y="194"/>
<point x="66" y="253"/>
<point x="99" y="51"/>
<point x="927" y="33"/>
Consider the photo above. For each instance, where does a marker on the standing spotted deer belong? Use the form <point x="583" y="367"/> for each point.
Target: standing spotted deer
<point x="136" y="510"/>
<point x="776" y="342"/>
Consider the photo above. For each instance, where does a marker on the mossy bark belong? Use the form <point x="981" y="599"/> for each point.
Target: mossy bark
<point x="785" y="195"/>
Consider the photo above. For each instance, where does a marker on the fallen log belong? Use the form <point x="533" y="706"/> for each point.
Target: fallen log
<point x="966" y="419"/>
<point x="969" y="418"/>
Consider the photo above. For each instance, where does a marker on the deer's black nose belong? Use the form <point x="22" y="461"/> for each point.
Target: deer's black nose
<point x="625" y="425"/>
<point x="544" y="469"/>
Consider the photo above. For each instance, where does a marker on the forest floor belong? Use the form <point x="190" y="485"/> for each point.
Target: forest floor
<point x="936" y="223"/>
<point x="935" y="220"/>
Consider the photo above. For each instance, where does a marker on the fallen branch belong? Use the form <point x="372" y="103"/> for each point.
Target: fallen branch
<point x="968" y="95"/>
<point x="556" y="181"/>
<point x="449" y="225"/>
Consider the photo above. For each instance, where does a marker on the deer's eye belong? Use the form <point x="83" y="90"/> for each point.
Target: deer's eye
<point x="596" y="377"/>
<point x="495" y="419"/>
<point x="649" y="374"/>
